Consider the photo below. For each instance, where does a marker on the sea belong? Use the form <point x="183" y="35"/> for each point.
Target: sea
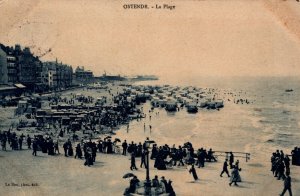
<point x="271" y="121"/>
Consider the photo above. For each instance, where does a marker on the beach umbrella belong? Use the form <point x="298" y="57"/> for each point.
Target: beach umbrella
<point x="128" y="175"/>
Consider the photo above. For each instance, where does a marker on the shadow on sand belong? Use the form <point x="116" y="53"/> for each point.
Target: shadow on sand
<point x="255" y="165"/>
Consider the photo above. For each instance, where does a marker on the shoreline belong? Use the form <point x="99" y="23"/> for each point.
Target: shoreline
<point x="257" y="178"/>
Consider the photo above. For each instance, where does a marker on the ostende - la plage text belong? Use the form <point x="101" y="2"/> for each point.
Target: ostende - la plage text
<point x="148" y="6"/>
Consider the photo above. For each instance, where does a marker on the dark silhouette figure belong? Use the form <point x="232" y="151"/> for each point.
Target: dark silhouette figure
<point x="225" y="168"/>
<point x="28" y="142"/>
<point x="65" y="146"/>
<point x="287" y="185"/>
<point x="133" y="166"/>
<point x="193" y="171"/>
<point x="124" y="146"/>
<point x="78" y="151"/>
<point x="132" y="186"/>
<point x="143" y="159"/>
<point x="155" y="182"/>
<point x="231" y="160"/>
<point x="34" y="147"/>
<point x="169" y="189"/>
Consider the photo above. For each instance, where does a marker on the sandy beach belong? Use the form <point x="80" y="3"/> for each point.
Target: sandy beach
<point x="59" y="175"/>
<point x="201" y="38"/>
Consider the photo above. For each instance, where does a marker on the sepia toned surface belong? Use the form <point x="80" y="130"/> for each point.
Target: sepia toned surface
<point x="203" y="37"/>
<point x="231" y="44"/>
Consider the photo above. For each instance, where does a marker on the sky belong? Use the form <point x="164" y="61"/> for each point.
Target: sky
<point x="213" y="38"/>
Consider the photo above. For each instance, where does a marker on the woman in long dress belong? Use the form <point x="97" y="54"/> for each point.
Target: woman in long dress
<point x="239" y="169"/>
<point x="235" y="176"/>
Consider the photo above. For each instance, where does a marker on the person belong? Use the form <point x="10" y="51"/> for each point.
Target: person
<point x="28" y="142"/>
<point x="124" y="146"/>
<point x="20" y="141"/>
<point x="235" y="176"/>
<point x="143" y="159"/>
<point x="50" y="146"/>
<point x="294" y="156"/>
<point x="109" y="147"/>
<point x="154" y="152"/>
<point x="193" y="171"/>
<point x="3" y="143"/>
<point x="65" y="146"/>
<point x="133" y="166"/>
<point x="94" y="151"/>
<point x="34" y="147"/>
<point x="210" y="156"/>
<point x="287" y="164"/>
<point x="163" y="184"/>
<point x="99" y="146"/>
<point x="78" y="151"/>
<point x="273" y="163"/>
<point x="281" y="169"/>
<point x="56" y="148"/>
<point x="287" y="185"/>
<point x="70" y="149"/>
<point x="155" y="182"/>
<point x="281" y="155"/>
<point x="225" y="168"/>
<point x="180" y="156"/>
<point x="134" y="182"/>
<point x="169" y="189"/>
<point x="201" y="157"/>
<point x="88" y="157"/>
<point x="231" y="160"/>
<point x="159" y="160"/>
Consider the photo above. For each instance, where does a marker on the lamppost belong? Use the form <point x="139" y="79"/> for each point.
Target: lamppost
<point x="147" y="184"/>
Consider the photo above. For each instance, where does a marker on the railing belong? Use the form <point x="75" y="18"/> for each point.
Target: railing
<point x="236" y="154"/>
<point x="216" y="154"/>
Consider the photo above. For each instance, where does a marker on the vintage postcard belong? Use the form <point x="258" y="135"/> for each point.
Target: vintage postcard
<point x="149" y="97"/>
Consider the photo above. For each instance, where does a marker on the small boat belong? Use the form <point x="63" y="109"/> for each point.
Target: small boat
<point x="192" y="108"/>
<point x="219" y="103"/>
<point x="289" y="90"/>
<point x="171" y="106"/>
<point x="211" y="105"/>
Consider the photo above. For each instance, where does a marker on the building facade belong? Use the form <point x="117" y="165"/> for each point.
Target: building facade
<point x="20" y="66"/>
<point x="57" y="75"/>
<point x="12" y="69"/>
<point x="82" y="75"/>
<point x="3" y="67"/>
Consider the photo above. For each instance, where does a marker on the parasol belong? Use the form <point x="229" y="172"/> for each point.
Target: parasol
<point x="128" y="175"/>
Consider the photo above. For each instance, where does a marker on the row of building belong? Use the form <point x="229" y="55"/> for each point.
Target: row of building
<point x="19" y="67"/>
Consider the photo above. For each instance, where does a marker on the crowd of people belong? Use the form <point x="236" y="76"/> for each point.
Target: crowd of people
<point x="166" y="156"/>
<point x="14" y="141"/>
<point x="156" y="186"/>
<point x="280" y="164"/>
<point x="280" y="167"/>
